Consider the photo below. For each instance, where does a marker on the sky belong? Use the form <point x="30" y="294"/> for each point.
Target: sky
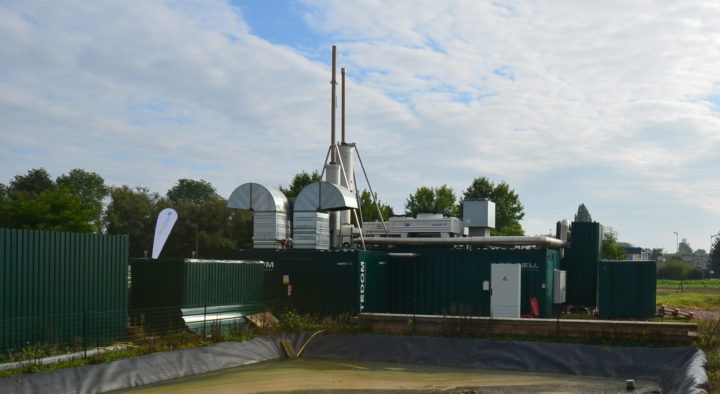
<point x="613" y="104"/>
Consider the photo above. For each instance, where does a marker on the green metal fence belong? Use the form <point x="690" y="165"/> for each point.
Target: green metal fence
<point x="56" y="287"/>
<point x="326" y="282"/>
<point x="450" y="282"/>
<point x="171" y="294"/>
<point x="581" y="263"/>
<point x="627" y="289"/>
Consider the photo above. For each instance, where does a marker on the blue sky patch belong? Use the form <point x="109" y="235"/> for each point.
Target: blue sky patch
<point x="505" y="72"/>
<point x="281" y="22"/>
<point x="715" y="100"/>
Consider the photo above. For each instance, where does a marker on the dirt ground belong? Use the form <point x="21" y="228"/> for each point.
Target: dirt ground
<point x="344" y="376"/>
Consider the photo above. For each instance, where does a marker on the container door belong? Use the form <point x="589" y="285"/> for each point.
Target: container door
<point x="505" y="284"/>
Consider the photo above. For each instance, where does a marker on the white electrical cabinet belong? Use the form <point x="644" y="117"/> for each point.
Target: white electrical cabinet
<point x="505" y="284"/>
<point x="559" y="286"/>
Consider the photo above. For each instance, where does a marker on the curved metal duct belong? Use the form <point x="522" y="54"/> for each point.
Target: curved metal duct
<point x="324" y="196"/>
<point x="270" y="207"/>
<point x="256" y="197"/>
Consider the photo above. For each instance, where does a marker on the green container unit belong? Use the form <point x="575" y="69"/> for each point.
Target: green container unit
<point x="168" y="293"/>
<point x="449" y="281"/>
<point x="581" y="262"/>
<point x="61" y="288"/>
<point x="627" y="289"/>
<point x="328" y="283"/>
<point x="439" y="282"/>
<point x="537" y="280"/>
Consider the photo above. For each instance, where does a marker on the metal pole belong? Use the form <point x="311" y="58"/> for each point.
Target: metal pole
<point x="197" y="236"/>
<point x="361" y="223"/>
<point x="333" y="105"/>
<point x="372" y="194"/>
<point x="322" y="174"/>
<point x="677" y="244"/>
<point x="342" y="104"/>
<point x="362" y="238"/>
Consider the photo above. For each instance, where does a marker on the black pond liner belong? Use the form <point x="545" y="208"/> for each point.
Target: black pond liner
<point x="677" y="370"/>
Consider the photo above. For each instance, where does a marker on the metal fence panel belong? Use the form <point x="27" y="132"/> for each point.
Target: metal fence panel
<point x="627" y="289"/>
<point x="581" y="263"/>
<point x="50" y="283"/>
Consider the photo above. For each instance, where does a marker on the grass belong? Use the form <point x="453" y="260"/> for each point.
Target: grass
<point x="289" y="321"/>
<point x="708" y="302"/>
<point x="708" y="283"/>
<point x="710" y="344"/>
<point x="698" y="294"/>
<point x="173" y="341"/>
<point x="695" y="294"/>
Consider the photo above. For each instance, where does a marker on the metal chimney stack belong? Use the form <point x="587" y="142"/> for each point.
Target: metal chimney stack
<point x="341" y="168"/>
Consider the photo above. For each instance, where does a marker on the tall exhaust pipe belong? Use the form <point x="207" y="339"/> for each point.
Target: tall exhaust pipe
<point x="333" y="105"/>
<point x="342" y="103"/>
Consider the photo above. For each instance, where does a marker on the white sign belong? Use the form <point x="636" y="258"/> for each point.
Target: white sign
<point x="165" y="222"/>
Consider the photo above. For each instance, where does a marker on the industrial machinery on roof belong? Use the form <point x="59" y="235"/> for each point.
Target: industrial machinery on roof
<point x="322" y="214"/>
<point x="316" y="260"/>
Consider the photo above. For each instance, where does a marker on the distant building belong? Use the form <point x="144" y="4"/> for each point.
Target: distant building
<point x="637" y="254"/>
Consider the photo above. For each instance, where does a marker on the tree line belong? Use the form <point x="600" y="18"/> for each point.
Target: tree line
<point x="81" y="201"/>
<point x="508" y="208"/>
<point x="75" y="202"/>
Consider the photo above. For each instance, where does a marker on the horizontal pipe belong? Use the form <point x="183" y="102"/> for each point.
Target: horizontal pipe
<point x="549" y="242"/>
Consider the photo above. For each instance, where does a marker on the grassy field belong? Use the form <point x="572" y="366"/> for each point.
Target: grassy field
<point x="698" y="294"/>
<point x="703" y="283"/>
<point x="695" y="294"/>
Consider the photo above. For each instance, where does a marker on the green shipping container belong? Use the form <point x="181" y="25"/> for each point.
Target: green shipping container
<point x="581" y="262"/>
<point x="323" y="282"/>
<point x="60" y="288"/>
<point x="627" y="289"/>
<point x="449" y="281"/>
<point x="166" y="290"/>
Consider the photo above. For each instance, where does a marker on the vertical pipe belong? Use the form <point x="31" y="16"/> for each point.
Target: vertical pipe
<point x="333" y="105"/>
<point x="342" y="103"/>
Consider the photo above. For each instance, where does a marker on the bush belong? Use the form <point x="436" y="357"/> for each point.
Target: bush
<point x="676" y="271"/>
<point x="695" y="274"/>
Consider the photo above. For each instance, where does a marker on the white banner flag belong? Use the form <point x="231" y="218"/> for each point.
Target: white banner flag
<point x="165" y="222"/>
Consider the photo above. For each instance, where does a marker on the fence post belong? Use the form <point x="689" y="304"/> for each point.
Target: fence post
<point x="85" y="333"/>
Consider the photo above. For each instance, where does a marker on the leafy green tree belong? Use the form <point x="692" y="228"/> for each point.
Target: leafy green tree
<point x="299" y="182"/>
<point x="35" y="201"/>
<point x="611" y="250"/>
<point x="54" y="209"/>
<point x="3" y="194"/>
<point x="432" y="200"/>
<point x="656" y="253"/>
<point x="90" y="188"/>
<point x="133" y="211"/>
<point x="583" y="215"/>
<point x="205" y="224"/>
<point x="34" y="182"/>
<point x="190" y="190"/>
<point x="370" y="211"/>
<point x="715" y="257"/>
<point x="508" y="208"/>
<point x="211" y="230"/>
<point x="700" y="252"/>
<point x="674" y="269"/>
